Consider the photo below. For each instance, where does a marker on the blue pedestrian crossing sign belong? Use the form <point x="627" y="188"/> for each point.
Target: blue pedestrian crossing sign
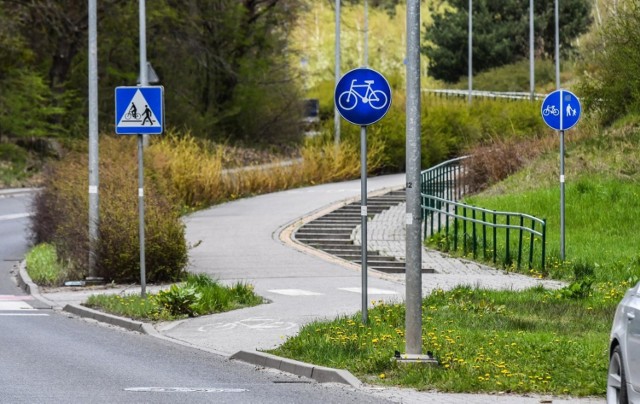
<point x="362" y="96"/>
<point x="561" y="110"/>
<point x="139" y="110"/>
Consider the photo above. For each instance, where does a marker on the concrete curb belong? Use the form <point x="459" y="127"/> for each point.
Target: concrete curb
<point x="318" y="373"/>
<point x="102" y="317"/>
<point x="25" y="282"/>
<point x="17" y="191"/>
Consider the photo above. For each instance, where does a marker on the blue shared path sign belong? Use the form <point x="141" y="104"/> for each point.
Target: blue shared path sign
<point x="363" y="96"/>
<point x="139" y="110"/>
<point x="561" y="110"/>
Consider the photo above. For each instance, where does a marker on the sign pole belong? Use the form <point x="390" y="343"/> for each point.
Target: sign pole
<point x="363" y="218"/>
<point x="363" y="96"/>
<point x="562" y="201"/>
<point x="561" y="110"/>
<point x="143" y="275"/>
<point x="94" y="179"/>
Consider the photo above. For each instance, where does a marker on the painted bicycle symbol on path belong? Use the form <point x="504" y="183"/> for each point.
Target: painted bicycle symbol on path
<point x="376" y="99"/>
<point x="252" y="323"/>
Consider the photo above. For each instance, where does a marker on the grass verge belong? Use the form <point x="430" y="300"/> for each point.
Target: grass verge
<point x="198" y="295"/>
<point x="486" y="341"/>
<point x="43" y="265"/>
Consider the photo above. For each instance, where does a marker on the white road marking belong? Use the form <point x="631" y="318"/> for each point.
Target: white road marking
<point x="15" y="216"/>
<point x="371" y="291"/>
<point x="295" y="292"/>
<point x="15" y="306"/>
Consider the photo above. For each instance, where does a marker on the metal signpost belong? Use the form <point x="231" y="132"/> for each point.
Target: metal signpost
<point x="140" y="111"/>
<point x="561" y="110"/>
<point x="363" y="97"/>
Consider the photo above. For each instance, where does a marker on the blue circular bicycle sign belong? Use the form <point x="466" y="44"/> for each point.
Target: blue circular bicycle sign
<point x="363" y="96"/>
<point x="561" y="110"/>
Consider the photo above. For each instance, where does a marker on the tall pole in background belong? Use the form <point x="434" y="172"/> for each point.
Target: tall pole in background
<point x="366" y="33"/>
<point x="470" y="50"/>
<point x="93" y="138"/>
<point x="336" y="115"/>
<point x="562" y="190"/>
<point x="532" y="80"/>
<point x="144" y="81"/>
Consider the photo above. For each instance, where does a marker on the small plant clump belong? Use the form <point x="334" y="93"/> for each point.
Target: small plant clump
<point x="198" y="295"/>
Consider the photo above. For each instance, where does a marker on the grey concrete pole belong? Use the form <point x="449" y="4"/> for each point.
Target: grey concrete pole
<point x="94" y="178"/>
<point x="470" y="50"/>
<point x="366" y="33"/>
<point x="532" y="80"/>
<point x="142" y="143"/>
<point x="557" y="43"/>
<point x="562" y="179"/>
<point x="336" y="114"/>
<point x="363" y="221"/>
<point x="413" y="317"/>
<point x="144" y="71"/>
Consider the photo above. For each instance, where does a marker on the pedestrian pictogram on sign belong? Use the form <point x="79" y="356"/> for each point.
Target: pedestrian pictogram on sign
<point x="139" y="110"/>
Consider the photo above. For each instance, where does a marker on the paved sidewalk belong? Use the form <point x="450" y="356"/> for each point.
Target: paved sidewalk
<point x="248" y="240"/>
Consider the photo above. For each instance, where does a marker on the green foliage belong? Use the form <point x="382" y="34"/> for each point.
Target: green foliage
<point x="500" y="34"/>
<point x="513" y="77"/>
<point x="43" y="265"/>
<point x="13" y="164"/>
<point x="610" y="82"/>
<point x="61" y="217"/>
<point x="179" y="300"/>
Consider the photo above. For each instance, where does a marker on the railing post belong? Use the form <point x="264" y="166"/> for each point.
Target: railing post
<point x="544" y="241"/>
<point x="455" y="227"/>
<point x="484" y="235"/>
<point x="464" y="230"/>
<point x="507" y="258"/>
<point x="495" y="236"/>
<point x="533" y="236"/>
<point x="520" y="241"/>
<point x="473" y="215"/>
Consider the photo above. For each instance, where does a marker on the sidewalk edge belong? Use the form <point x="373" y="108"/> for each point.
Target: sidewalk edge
<point x="26" y="284"/>
<point x="320" y="374"/>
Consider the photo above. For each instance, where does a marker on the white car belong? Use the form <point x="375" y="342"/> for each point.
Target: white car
<point x="623" y="382"/>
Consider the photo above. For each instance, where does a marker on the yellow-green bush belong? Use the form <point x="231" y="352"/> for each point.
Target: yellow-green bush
<point x="61" y="216"/>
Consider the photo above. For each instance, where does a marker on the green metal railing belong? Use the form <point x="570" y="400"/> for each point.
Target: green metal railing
<point x="458" y="226"/>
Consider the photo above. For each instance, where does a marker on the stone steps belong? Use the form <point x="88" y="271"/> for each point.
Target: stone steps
<point x="332" y="233"/>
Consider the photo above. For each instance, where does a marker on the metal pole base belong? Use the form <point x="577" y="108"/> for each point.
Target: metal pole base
<point x="93" y="280"/>
<point x="407" y="359"/>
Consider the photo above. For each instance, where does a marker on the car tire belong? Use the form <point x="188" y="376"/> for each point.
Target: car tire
<point x="616" y="380"/>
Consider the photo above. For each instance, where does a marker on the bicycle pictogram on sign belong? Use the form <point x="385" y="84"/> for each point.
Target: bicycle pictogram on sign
<point x="348" y="100"/>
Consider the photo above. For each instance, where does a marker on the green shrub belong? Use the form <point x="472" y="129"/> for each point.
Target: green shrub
<point x="61" y="216"/>
<point x="179" y="300"/>
<point x="610" y="82"/>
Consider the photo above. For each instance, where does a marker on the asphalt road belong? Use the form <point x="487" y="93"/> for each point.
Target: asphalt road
<point x="50" y="357"/>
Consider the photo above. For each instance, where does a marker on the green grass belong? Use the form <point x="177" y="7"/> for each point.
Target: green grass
<point x="198" y="295"/>
<point x="43" y="265"/>
<point x="485" y="341"/>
